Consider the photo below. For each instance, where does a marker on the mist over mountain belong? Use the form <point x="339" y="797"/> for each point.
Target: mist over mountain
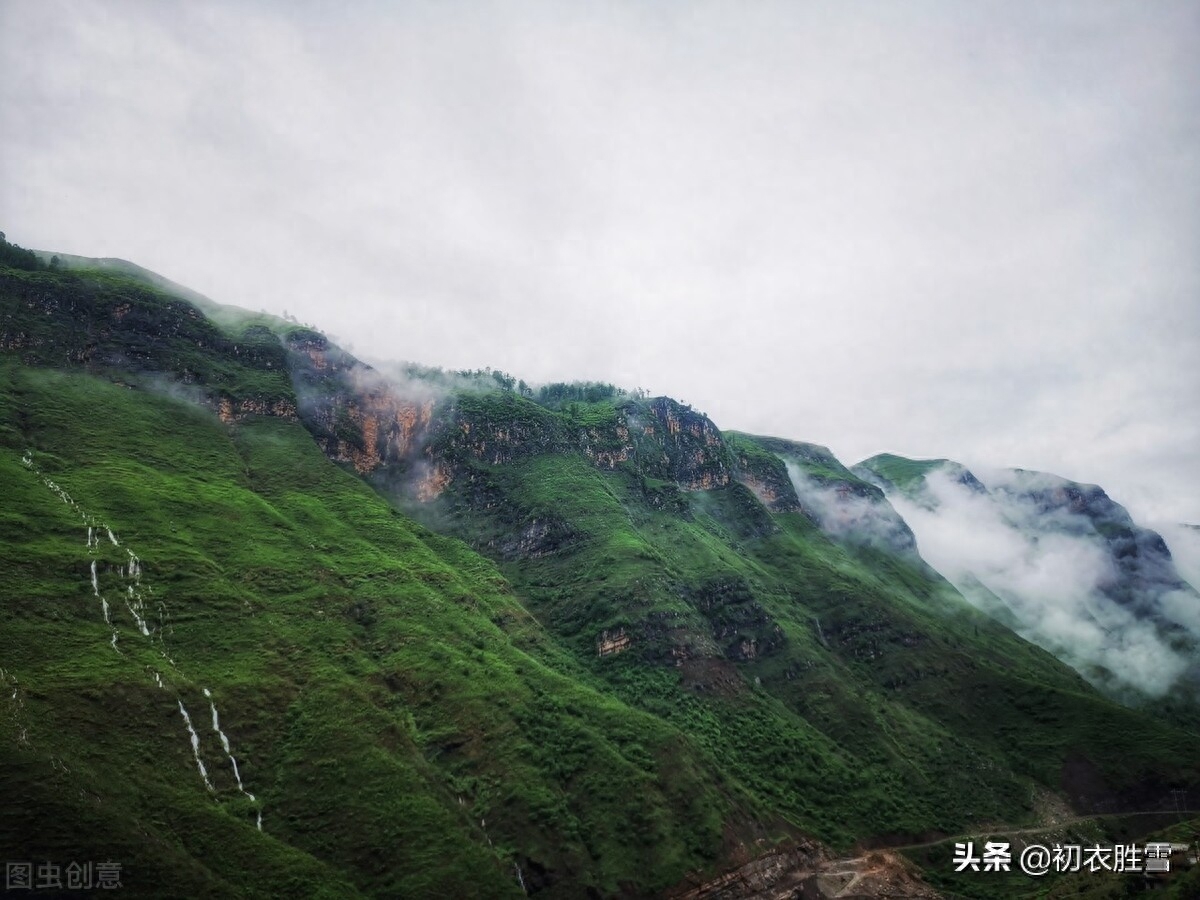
<point x="872" y="228"/>
<point x="279" y="617"/>
<point x="474" y="511"/>
<point x="1062" y="562"/>
<point x="1184" y="542"/>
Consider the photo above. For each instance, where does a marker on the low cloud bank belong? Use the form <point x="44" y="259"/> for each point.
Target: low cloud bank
<point x="846" y="513"/>
<point x="1184" y="541"/>
<point x="1054" y="573"/>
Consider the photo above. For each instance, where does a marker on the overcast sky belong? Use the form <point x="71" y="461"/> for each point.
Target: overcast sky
<point x="938" y="229"/>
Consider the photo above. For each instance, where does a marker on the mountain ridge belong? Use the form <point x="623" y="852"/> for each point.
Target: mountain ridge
<point x="1124" y="575"/>
<point x="684" y="656"/>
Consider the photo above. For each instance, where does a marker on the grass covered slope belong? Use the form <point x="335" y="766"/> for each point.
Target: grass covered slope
<point x="849" y="687"/>
<point x="400" y="720"/>
<point x="668" y="656"/>
<point x="1067" y="567"/>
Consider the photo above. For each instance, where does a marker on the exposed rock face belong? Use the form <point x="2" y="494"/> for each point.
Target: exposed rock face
<point x="777" y="873"/>
<point x="721" y="624"/>
<point x="231" y="411"/>
<point x="690" y="450"/>
<point x="738" y="622"/>
<point x="455" y="447"/>
<point x="537" y="538"/>
<point x="859" y="513"/>
<point x="356" y="416"/>
<point x="493" y="429"/>
<point x="807" y="872"/>
<point x="1141" y="568"/>
<point x="1065" y="566"/>
<point x="615" y="641"/>
<point x="430" y="485"/>
<point x="843" y="505"/>
<point x="89" y="323"/>
<point x="608" y="447"/>
<point x="1142" y="564"/>
<point x="360" y="418"/>
<point x="769" y="493"/>
<point x="763" y="472"/>
<point x="147" y="341"/>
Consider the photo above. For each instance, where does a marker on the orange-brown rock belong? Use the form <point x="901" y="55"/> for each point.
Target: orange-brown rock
<point x="616" y="641"/>
<point x="432" y="483"/>
<point x="230" y="411"/>
<point x="807" y="870"/>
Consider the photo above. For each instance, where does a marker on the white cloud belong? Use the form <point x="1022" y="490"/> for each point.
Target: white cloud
<point x="1184" y="543"/>
<point x="847" y="515"/>
<point x="1050" y="568"/>
<point x="927" y="228"/>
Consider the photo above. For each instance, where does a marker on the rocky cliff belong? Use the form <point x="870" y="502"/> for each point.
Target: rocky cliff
<point x="429" y="435"/>
<point x="1059" y="561"/>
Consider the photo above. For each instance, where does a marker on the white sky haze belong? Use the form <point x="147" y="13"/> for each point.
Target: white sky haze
<point x="933" y="228"/>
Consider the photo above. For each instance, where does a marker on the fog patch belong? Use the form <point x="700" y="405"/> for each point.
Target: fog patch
<point x="1049" y="567"/>
<point x="1182" y="607"/>
<point x="167" y="386"/>
<point x="1184" y="543"/>
<point x="849" y="513"/>
<point x="419" y="382"/>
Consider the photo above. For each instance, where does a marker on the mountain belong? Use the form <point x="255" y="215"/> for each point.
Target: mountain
<point x="846" y="507"/>
<point x="444" y="634"/>
<point x="1062" y="563"/>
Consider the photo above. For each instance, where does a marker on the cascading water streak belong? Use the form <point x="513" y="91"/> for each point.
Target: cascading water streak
<point x="216" y="726"/>
<point x="135" y="603"/>
<point x="195" y="738"/>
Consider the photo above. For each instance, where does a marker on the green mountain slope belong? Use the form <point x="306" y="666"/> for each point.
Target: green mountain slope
<point x="674" y="562"/>
<point x="1066" y="566"/>
<point x="394" y="710"/>
<point x="655" y="662"/>
<point x="859" y="665"/>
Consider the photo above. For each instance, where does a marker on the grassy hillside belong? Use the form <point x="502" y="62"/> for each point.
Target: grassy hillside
<point x="852" y="689"/>
<point x="404" y="725"/>
<point x="618" y="653"/>
<point x="900" y="471"/>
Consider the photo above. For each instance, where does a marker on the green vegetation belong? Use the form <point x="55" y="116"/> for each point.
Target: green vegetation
<point x="904" y="473"/>
<point x="18" y="257"/>
<point x="368" y="673"/>
<point x="835" y="664"/>
<point x="651" y="672"/>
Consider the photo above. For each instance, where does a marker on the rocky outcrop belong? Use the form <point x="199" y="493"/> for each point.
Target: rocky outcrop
<point x="846" y="507"/>
<point x="356" y="416"/>
<point x="681" y="445"/>
<point x="737" y="621"/>
<point x="763" y="472"/>
<point x="230" y="410"/>
<point x="1058" y="552"/>
<point x="807" y="871"/>
<point x="146" y="340"/>
<point x="537" y="538"/>
<point x="612" y="642"/>
<point x="434" y="437"/>
<point x="495" y="429"/>
<point x="769" y="493"/>
<point x="1142" y="567"/>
